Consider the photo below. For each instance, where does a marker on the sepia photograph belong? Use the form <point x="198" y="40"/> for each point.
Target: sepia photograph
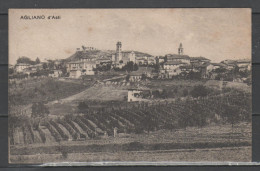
<point x="129" y="85"/>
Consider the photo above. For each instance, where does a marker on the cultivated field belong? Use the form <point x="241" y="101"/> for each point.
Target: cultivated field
<point x="175" y="129"/>
<point x="207" y="144"/>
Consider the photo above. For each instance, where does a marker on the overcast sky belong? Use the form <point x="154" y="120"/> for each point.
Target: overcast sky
<point x="217" y="34"/>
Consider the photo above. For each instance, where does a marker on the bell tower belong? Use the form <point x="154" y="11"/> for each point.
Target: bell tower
<point x="118" y="51"/>
<point x="180" y="49"/>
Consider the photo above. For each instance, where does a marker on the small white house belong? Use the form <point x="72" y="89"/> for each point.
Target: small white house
<point x="133" y="95"/>
<point x="75" y="73"/>
<point x="56" y="73"/>
<point x="21" y="66"/>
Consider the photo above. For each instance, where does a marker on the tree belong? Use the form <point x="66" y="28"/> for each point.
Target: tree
<point x="236" y="70"/>
<point x="164" y="94"/>
<point x="39" y="111"/>
<point x="10" y="70"/>
<point x="127" y="77"/>
<point x="44" y="66"/>
<point x="51" y="65"/>
<point x="82" y="107"/>
<point x="25" y="60"/>
<point x="135" y="67"/>
<point x="83" y="47"/>
<point x="37" y="61"/>
<point x="199" y="91"/>
<point x="149" y="122"/>
<point x="232" y="114"/>
<point x="185" y="92"/>
<point x="157" y="67"/>
<point x="129" y="66"/>
<point x="143" y="77"/>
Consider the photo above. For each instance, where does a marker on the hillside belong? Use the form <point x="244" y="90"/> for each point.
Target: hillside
<point x="90" y="54"/>
<point x="99" y="54"/>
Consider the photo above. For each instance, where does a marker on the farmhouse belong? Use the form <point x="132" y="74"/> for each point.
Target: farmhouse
<point x="137" y="94"/>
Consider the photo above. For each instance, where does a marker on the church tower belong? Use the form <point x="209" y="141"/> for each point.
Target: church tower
<point x="180" y="49"/>
<point x="118" y="51"/>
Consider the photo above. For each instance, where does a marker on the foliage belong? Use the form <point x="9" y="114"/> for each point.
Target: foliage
<point x="44" y="89"/>
<point x="82" y="106"/>
<point x="39" y="110"/>
<point x="37" y="61"/>
<point x="199" y="91"/>
<point x="185" y="92"/>
<point x="25" y="60"/>
<point x="127" y="77"/>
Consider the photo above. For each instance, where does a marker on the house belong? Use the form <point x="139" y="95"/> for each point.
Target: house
<point x="213" y="66"/>
<point x="103" y="61"/>
<point x="160" y="59"/>
<point x="137" y="94"/>
<point x="230" y="66"/>
<point x="88" y="68"/>
<point x="87" y="58"/>
<point x="178" y="58"/>
<point x="141" y="61"/>
<point x="74" y="65"/>
<point x="244" y="64"/>
<point x="21" y="66"/>
<point x="136" y="76"/>
<point x="228" y="61"/>
<point x="186" y="68"/>
<point x="172" y="65"/>
<point x="74" y="73"/>
<point x="198" y="60"/>
<point x="56" y="73"/>
<point x="151" y="60"/>
<point x="172" y="68"/>
<point x="84" y="67"/>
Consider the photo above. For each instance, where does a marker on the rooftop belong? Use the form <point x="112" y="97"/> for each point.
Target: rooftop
<point x="199" y="58"/>
<point x="173" y="63"/>
<point x="141" y="70"/>
<point x="22" y="64"/>
<point x="176" y="56"/>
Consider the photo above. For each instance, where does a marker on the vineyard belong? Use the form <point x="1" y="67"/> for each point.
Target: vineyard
<point x="142" y="118"/>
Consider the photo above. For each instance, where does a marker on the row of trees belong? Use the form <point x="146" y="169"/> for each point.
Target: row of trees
<point x="130" y="66"/>
<point x="27" y="60"/>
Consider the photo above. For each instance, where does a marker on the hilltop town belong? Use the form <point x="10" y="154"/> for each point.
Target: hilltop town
<point x="89" y="61"/>
<point x="125" y="102"/>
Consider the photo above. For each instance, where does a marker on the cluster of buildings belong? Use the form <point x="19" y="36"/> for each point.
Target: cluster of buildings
<point x="179" y="64"/>
<point x="31" y="69"/>
<point x="86" y="61"/>
<point x="120" y="58"/>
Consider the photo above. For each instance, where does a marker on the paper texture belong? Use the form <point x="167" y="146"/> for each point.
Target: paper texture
<point x="129" y="85"/>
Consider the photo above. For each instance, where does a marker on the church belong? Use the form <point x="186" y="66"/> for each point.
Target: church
<point x="120" y="58"/>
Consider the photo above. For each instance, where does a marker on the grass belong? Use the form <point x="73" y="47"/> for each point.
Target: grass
<point x="46" y="89"/>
